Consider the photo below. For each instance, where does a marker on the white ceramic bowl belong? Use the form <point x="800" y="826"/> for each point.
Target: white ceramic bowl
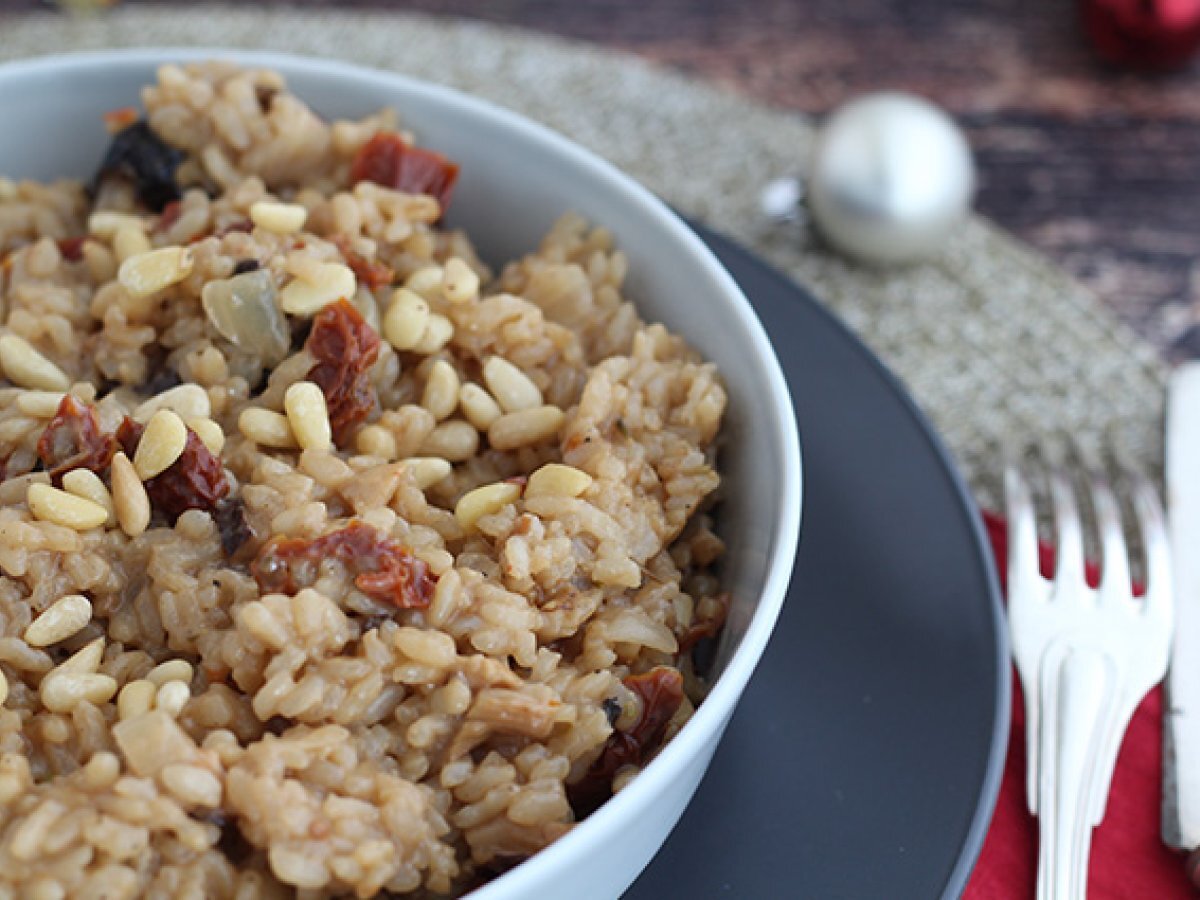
<point x="517" y="178"/>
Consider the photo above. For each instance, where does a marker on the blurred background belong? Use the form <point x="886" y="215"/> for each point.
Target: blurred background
<point x="1094" y="163"/>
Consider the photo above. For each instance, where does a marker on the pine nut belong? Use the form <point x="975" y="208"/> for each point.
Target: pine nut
<point x="405" y="320"/>
<point x="441" y="390"/>
<point x="364" y="301"/>
<point x="106" y="224"/>
<point x="149" y="273"/>
<point x="162" y="443"/>
<point x="480" y="407"/>
<point x="456" y="441"/>
<point x="136" y="698"/>
<point x="510" y="386"/>
<point x="375" y="440"/>
<point x="171" y="670"/>
<point x="102" y="770"/>
<point x="39" y="404"/>
<point x="87" y="484"/>
<point x="323" y="284"/>
<point x="130" y="500"/>
<point x="438" y="332"/>
<point x="15" y="489"/>
<point x="186" y="400"/>
<point x="308" y="416"/>
<point x="268" y="428"/>
<point x="191" y="785"/>
<point x="86" y="659"/>
<point x="280" y="218"/>
<point x="557" y="480"/>
<point x="61" y="619"/>
<point x="15" y="777"/>
<point x="172" y="697"/>
<point x="210" y="433"/>
<point x="427" y="471"/>
<point x="425" y="281"/>
<point x="100" y="261"/>
<point x="485" y="500"/>
<point x="52" y="505"/>
<point x="27" y="368"/>
<point x="459" y="281"/>
<point x="130" y="241"/>
<point x="56" y="730"/>
<point x="61" y="692"/>
<point x="529" y="426"/>
<point x="3" y="687"/>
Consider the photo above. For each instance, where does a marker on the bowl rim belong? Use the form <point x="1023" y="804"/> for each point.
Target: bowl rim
<point x="704" y="728"/>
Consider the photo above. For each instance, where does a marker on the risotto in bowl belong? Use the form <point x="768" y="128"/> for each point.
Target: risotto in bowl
<point x="395" y="499"/>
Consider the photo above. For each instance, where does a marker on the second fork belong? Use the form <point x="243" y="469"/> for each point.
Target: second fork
<point x="1086" y="657"/>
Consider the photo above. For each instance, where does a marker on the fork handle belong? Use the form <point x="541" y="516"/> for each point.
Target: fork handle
<point x="1076" y="687"/>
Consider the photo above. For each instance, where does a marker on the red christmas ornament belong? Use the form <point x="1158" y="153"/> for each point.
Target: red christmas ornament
<point x="1143" y="34"/>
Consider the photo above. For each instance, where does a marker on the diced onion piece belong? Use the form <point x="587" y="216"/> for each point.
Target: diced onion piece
<point x="243" y="309"/>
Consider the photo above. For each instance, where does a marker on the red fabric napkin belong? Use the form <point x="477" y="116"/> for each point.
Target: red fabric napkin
<point x="1128" y="859"/>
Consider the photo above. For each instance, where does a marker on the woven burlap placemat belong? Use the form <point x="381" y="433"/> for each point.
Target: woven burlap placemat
<point x="995" y="343"/>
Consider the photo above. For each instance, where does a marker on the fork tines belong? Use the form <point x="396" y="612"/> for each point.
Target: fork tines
<point x="1101" y="529"/>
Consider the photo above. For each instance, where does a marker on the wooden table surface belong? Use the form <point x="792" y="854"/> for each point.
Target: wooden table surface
<point x="1096" y="168"/>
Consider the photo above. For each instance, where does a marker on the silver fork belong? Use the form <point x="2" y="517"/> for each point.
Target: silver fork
<point x="1086" y="656"/>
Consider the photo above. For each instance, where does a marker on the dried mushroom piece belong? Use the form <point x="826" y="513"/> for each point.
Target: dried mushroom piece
<point x="141" y="157"/>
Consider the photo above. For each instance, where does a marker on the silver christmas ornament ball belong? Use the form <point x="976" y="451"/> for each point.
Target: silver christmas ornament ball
<point x="891" y="176"/>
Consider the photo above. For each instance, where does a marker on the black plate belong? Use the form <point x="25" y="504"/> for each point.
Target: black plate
<point x="865" y="756"/>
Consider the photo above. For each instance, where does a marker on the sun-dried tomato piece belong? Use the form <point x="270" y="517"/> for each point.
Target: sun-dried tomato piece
<point x="371" y="272"/>
<point x="74" y="440"/>
<point x="385" y="159"/>
<point x="71" y="248"/>
<point x="403" y="582"/>
<point x="129" y="433"/>
<point x="119" y="119"/>
<point x="194" y="481"/>
<point x="383" y="568"/>
<point x="344" y="347"/>
<point x="661" y="693"/>
<point x="245" y="226"/>
<point x="169" y="215"/>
